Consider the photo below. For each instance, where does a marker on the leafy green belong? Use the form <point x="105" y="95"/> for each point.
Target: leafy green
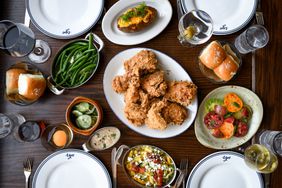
<point x="138" y="11"/>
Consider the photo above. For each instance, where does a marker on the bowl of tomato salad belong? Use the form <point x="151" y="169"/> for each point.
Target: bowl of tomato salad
<point x="228" y="117"/>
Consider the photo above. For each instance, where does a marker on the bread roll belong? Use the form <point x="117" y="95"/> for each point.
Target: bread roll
<point x="31" y="86"/>
<point x="213" y="55"/>
<point x="12" y="77"/>
<point x="227" y="69"/>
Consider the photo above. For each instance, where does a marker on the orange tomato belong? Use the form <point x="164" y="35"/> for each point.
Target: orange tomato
<point x="233" y="102"/>
<point x="227" y="129"/>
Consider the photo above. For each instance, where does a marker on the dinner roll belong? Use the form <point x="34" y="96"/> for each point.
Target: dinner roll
<point x="227" y="69"/>
<point x="12" y="77"/>
<point x="31" y="86"/>
<point x="213" y="55"/>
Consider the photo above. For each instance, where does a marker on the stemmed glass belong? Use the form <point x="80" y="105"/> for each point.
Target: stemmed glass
<point x="195" y="27"/>
<point x="18" y="40"/>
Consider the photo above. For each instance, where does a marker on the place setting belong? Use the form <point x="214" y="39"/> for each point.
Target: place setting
<point x="149" y="92"/>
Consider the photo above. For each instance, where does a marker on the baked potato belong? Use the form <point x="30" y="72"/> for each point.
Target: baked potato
<point x="137" y="18"/>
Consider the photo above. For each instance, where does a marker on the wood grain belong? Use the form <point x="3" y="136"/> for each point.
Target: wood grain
<point x="51" y="108"/>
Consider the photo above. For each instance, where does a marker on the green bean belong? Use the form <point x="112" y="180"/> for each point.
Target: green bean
<point x="90" y="43"/>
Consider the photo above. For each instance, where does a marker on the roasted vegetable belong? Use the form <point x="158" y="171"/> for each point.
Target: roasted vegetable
<point x="136" y="18"/>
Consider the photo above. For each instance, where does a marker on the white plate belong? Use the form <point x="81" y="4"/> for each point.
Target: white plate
<point x="228" y="16"/>
<point x="250" y="98"/>
<point x="116" y="101"/>
<point x="109" y="23"/>
<point x="64" y="19"/>
<point x="224" y="169"/>
<point x="71" y="168"/>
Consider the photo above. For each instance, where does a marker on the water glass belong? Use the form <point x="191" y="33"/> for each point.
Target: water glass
<point x="255" y="37"/>
<point x="260" y="158"/>
<point x="8" y="122"/>
<point x="28" y="131"/>
<point x="272" y="140"/>
<point x="195" y="27"/>
<point x="18" y="40"/>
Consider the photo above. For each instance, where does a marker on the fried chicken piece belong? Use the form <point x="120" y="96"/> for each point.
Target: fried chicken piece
<point x="181" y="92"/>
<point x="143" y="62"/>
<point x="135" y="113"/>
<point x="120" y="84"/>
<point x="154" y="84"/>
<point x="175" y="113"/>
<point x="154" y="118"/>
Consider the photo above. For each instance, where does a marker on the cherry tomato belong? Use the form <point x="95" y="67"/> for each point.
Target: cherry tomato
<point x="230" y="119"/>
<point x="142" y="170"/>
<point x="134" y="167"/>
<point x="242" y="129"/>
<point x="213" y="120"/>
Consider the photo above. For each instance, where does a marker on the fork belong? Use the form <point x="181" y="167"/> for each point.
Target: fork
<point x="183" y="171"/>
<point x="27" y="170"/>
<point x="184" y="168"/>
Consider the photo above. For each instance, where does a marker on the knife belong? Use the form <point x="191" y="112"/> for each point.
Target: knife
<point x="26" y="18"/>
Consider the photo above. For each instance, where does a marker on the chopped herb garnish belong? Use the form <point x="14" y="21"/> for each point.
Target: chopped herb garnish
<point x="138" y="11"/>
<point x="236" y="104"/>
<point x="104" y="145"/>
<point x="113" y="135"/>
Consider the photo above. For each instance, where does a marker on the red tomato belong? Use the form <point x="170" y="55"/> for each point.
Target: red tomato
<point x="230" y="119"/>
<point x="142" y="170"/>
<point x="220" y="110"/>
<point x="134" y="167"/>
<point x="217" y="133"/>
<point x="213" y="120"/>
<point x="159" y="177"/>
<point x="242" y="129"/>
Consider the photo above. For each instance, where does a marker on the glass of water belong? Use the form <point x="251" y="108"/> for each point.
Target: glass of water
<point x="195" y="27"/>
<point x="18" y="40"/>
<point x="8" y="122"/>
<point x="255" y="37"/>
<point x="272" y="140"/>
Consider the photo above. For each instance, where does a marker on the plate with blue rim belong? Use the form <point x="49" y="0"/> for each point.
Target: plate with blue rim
<point x="71" y="168"/>
<point x="228" y="16"/>
<point x="64" y="19"/>
<point x="224" y="169"/>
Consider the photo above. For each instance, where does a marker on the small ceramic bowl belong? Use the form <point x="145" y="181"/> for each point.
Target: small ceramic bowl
<point x="71" y="121"/>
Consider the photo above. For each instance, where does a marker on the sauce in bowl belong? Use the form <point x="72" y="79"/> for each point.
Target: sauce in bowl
<point x="103" y="138"/>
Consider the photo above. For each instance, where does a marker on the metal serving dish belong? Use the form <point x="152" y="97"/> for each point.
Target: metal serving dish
<point x="58" y="90"/>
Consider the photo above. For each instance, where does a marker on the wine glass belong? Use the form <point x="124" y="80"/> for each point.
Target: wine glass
<point x="261" y="159"/>
<point x="195" y="27"/>
<point x="18" y="40"/>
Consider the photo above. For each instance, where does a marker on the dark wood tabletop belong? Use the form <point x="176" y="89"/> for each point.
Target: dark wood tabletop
<point x="261" y="71"/>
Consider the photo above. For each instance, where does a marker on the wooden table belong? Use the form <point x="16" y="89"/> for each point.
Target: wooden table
<point x="266" y="76"/>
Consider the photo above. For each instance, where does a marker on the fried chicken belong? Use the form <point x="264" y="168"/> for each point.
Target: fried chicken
<point x="154" y="118"/>
<point x="154" y="84"/>
<point x="175" y="113"/>
<point x="120" y="84"/>
<point x="135" y="113"/>
<point x="181" y="92"/>
<point x="143" y="62"/>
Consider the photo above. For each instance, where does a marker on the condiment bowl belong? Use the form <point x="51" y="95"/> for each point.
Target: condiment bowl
<point x="102" y="139"/>
<point x="51" y="140"/>
<point x="70" y="119"/>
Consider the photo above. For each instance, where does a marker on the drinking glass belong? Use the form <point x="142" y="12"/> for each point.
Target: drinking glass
<point x="272" y="140"/>
<point x="18" y="40"/>
<point x="260" y="158"/>
<point x="57" y="136"/>
<point x="8" y="122"/>
<point x="29" y="131"/>
<point x="195" y="27"/>
<point x="255" y="37"/>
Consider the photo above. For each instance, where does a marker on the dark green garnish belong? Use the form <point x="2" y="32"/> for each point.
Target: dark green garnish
<point x="236" y="104"/>
<point x="138" y="11"/>
<point x="104" y="145"/>
<point x="113" y="135"/>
